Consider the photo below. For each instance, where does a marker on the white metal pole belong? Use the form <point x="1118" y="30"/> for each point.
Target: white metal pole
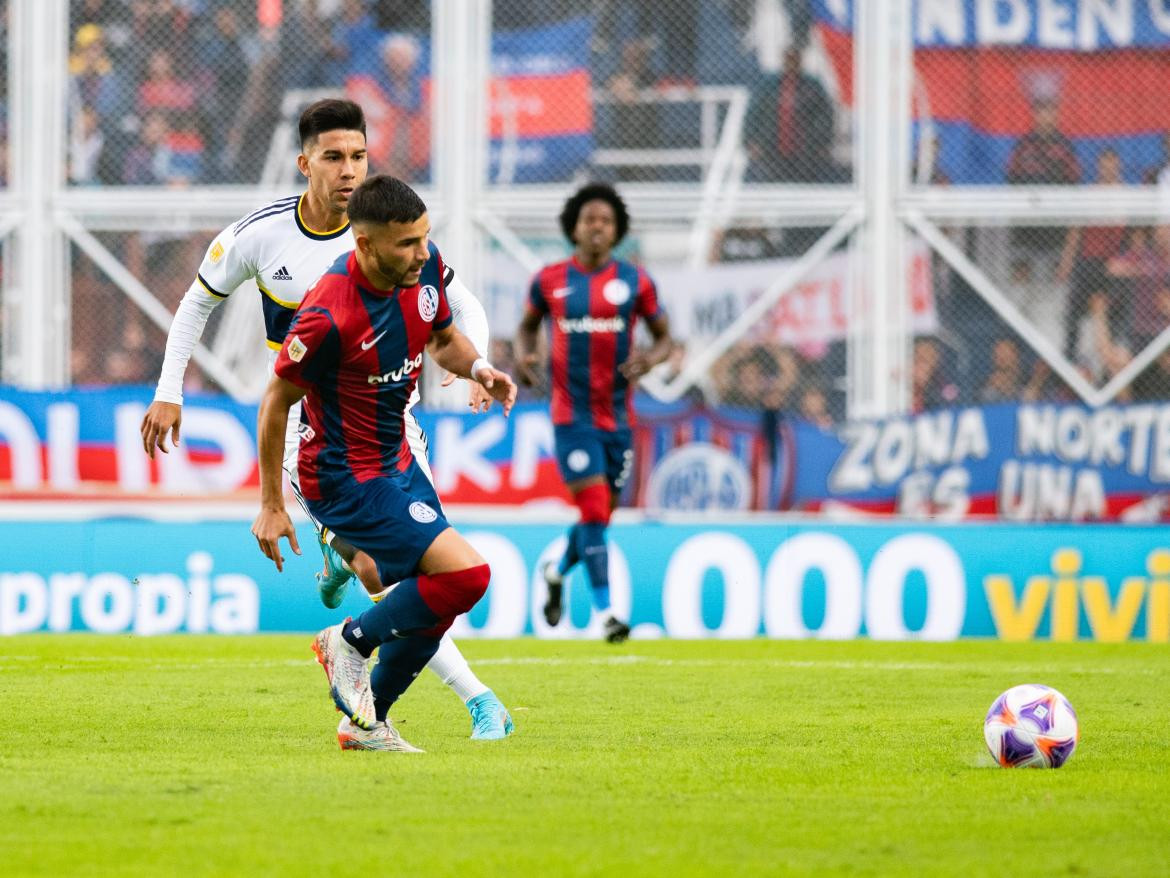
<point x="881" y="289"/>
<point x="462" y="39"/>
<point x="37" y="351"/>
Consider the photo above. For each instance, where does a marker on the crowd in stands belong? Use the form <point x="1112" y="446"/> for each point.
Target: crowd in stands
<point x="183" y="92"/>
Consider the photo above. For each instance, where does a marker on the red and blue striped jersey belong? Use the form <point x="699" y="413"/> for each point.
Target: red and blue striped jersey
<point x="358" y="351"/>
<point x="591" y="318"/>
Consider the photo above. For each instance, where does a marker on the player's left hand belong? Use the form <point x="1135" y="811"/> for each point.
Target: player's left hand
<point x="635" y="366"/>
<point x="270" y="525"/>
<point x="498" y="386"/>
<point x="478" y="399"/>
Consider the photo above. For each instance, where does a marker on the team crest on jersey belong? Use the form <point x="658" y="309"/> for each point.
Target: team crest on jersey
<point x="296" y="349"/>
<point x="422" y="513"/>
<point x="578" y="459"/>
<point x="428" y="303"/>
<point x="216" y="253"/>
<point x="616" y="291"/>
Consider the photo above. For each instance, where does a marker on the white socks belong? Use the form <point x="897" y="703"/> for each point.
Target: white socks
<point x="453" y="670"/>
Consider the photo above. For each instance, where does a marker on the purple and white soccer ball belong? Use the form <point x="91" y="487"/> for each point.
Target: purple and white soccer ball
<point x="1031" y="726"/>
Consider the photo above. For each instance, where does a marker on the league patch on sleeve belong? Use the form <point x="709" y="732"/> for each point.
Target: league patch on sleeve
<point x="297" y="349"/>
<point x="216" y="253"/>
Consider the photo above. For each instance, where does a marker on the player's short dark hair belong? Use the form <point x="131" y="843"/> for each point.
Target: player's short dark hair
<point x="594" y="192"/>
<point x="384" y="199"/>
<point x="330" y="114"/>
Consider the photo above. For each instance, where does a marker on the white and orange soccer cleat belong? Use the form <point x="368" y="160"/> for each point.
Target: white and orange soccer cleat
<point x="383" y="736"/>
<point x="349" y="676"/>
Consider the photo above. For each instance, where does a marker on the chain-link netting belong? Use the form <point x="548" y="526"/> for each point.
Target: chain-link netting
<point x="5" y="32"/>
<point x="1027" y="97"/>
<point x="648" y="93"/>
<point x="163" y="92"/>
<point x="167" y="93"/>
<point x="113" y="342"/>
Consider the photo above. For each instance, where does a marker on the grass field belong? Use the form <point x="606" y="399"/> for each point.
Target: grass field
<point x="200" y="756"/>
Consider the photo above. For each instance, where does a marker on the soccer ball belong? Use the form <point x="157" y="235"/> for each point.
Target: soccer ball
<point x="1031" y="726"/>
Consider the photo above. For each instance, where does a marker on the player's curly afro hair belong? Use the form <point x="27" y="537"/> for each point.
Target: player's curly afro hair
<point x="594" y="192"/>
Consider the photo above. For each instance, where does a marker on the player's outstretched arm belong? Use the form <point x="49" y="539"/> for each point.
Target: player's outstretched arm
<point x="273" y="522"/>
<point x="165" y="414"/>
<point x="453" y="351"/>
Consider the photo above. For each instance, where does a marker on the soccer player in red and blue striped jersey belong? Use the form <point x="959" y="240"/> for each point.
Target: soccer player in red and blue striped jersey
<point x="353" y="352"/>
<point x="592" y="302"/>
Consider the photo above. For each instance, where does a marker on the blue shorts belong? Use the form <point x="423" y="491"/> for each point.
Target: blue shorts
<point x="586" y="451"/>
<point x="393" y="519"/>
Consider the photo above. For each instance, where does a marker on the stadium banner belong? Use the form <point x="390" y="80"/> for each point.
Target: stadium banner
<point x="1033" y="462"/>
<point x="705" y="301"/>
<point x="779" y="578"/>
<point x="540" y="108"/>
<point x="1017" y="462"/>
<point x="982" y="64"/>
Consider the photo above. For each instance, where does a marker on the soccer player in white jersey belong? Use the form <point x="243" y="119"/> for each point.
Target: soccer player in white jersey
<point x="285" y="247"/>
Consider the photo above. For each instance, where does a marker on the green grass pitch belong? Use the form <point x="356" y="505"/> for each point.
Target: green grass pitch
<point x="217" y="756"/>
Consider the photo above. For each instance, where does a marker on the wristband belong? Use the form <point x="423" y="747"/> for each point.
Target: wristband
<point x="480" y="363"/>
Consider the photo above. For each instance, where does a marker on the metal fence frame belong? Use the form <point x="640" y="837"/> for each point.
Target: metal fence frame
<point x="41" y="216"/>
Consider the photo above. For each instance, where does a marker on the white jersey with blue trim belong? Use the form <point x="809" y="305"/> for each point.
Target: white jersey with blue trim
<point x="274" y="247"/>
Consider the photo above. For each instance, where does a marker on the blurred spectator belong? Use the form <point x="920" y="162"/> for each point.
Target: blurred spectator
<point x="396" y="115"/>
<point x="162" y="89"/>
<point x="165" y="25"/>
<point x="1044" y="386"/>
<point x="1098" y="354"/>
<point x="153" y="161"/>
<point x="1042" y="157"/>
<point x="751" y="376"/>
<point x="1160" y="173"/>
<point x="930" y="387"/>
<point x="1144" y="270"/>
<point x="626" y="120"/>
<point x="677" y="32"/>
<point x="351" y="36"/>
<point x="227" y="71"/>
<point x="789" y="128"/>
<point x="93" y="81"/>
<point x="1004" y="383"/>
<point x="1154" y="381"/>
<point x="814" y="407"/>
<point x="86" y="142"/>
<point x="1087" y="252"/>
<point x="404" y="14"/>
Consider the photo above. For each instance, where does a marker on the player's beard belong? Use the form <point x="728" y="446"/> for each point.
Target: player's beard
<point x="397" y="277"/>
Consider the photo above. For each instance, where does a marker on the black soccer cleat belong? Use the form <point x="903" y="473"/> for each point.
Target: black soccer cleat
<point x="616" y="631"/>
<point x="552" y="607"/>
<point x="556" y="585"/>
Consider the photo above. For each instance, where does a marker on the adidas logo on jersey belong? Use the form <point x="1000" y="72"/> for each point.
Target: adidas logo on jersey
<point x="281" y="274"/>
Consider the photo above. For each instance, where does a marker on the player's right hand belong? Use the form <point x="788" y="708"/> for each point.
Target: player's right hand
<point x="161" y="418"/>
<point x="270" y="525"/>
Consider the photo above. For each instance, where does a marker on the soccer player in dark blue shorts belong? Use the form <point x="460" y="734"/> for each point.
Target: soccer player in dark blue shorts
<point x="592" y="302"/>
<point x="353" y="353"/>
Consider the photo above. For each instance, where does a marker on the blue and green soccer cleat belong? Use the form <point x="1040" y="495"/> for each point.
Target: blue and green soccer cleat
<point x="490" y="720"/>
<point x="333" y="582"/>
